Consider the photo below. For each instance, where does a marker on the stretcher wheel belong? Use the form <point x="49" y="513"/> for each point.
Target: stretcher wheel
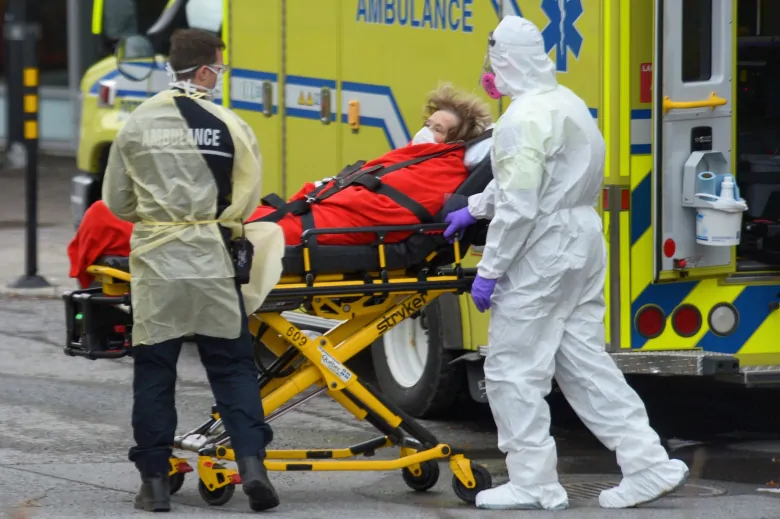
<point x="177" y="480"/>
<point x="216" y="497"/>
<point x="483" y="481"/>
<point x="426" y="480"/>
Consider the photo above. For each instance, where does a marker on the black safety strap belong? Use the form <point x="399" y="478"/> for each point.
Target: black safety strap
<point x="375" y="185"/>
<point x="273" y="200"/>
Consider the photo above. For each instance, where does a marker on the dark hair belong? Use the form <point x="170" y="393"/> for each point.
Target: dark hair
<point x="193" y="48"/>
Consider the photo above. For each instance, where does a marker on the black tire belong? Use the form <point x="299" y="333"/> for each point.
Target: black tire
<point x="441" y="384"/>
<point x="483" y="481"/>
<point x="177" y="480"/>
<point x="217" y="497"/>
<point x="426" y="480"/>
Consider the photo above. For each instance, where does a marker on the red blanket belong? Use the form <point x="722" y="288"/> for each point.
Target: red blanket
<point x="428" y="182"/>
<point x="99" y="234"/>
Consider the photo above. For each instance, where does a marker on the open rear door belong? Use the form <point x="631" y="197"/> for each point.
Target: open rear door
<point x="693" y="133"/>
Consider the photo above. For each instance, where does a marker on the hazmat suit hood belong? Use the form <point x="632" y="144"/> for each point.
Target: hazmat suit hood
<point x="518" y="59"/>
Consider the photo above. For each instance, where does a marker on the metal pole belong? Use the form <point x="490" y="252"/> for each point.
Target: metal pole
<point x="29" y="76"/>
<point x="15" y="17"/>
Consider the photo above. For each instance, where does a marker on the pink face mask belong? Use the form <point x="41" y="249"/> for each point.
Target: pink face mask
<point x="489" y="84"/>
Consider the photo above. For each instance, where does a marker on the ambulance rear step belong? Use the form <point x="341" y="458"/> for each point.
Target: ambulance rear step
<point x="756" y="376"/>
<point x="676" y="363"/>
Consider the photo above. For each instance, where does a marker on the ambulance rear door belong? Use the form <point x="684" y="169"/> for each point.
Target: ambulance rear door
<point x="693" y="135"/>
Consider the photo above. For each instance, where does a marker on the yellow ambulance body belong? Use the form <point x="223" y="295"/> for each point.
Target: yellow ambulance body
<point x="325" y="83"/>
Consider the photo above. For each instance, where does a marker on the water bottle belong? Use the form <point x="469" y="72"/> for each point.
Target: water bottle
<point x="727" y="189"/>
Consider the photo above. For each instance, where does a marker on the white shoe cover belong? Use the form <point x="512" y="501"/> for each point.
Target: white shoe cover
<point x="646" y="486"/>
<point x="512" y="497"/>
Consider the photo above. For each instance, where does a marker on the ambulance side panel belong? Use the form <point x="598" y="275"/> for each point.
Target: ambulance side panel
<point x="255" y="58"/>
<point x="311" y="60"/>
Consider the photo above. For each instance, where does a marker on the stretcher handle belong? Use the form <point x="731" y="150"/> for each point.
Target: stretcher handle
<point x="111" y="300"/>
<point x="384" y="229"/>
<point x="710" y="102"/>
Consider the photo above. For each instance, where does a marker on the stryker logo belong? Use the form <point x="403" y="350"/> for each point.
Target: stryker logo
<point x="194" y="136"/>
<point x="408" y="308"/>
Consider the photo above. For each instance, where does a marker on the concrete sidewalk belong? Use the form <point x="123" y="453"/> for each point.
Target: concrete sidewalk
<point x="55" y="226"/>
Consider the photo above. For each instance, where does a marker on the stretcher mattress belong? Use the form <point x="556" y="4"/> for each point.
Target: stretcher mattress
<point x="339" y="259"/>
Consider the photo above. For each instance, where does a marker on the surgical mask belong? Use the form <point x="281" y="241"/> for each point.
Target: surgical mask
<point x="192" y="89"/>
<point x="424" y="136"/>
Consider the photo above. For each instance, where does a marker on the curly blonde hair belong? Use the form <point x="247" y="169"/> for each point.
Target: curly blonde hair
<point x="473" y="113"/>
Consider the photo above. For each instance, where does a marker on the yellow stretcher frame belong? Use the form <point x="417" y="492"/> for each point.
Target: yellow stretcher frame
<point x="369" y="306"/>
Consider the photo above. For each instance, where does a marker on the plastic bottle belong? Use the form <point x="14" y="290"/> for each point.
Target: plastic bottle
<point x="727" y="189"/>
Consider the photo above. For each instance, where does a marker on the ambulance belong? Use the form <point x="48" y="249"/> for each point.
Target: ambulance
<point x="683" y="91"/>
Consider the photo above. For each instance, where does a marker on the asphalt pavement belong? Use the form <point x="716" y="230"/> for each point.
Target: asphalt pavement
<point x="65" y="426"/>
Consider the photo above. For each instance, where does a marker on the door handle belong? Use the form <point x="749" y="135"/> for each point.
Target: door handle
<point x="325" y="105"/>
<point x="710" y="102"/>
<point x="268" y="99"/>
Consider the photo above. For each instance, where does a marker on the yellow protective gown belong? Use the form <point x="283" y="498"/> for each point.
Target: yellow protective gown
<point x="182" y="273"/>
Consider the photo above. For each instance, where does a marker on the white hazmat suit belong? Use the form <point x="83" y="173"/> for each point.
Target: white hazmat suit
<point x="545" y="249"/>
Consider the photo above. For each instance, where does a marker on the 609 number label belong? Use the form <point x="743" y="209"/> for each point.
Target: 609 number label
<point x="297" y="336"/>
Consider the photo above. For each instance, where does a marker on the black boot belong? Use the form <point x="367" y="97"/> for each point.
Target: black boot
<point x="155" y="494"/>
<point x="254" y="480"/>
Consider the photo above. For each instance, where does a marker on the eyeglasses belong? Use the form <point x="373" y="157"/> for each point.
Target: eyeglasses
<point x="216" y="68"/>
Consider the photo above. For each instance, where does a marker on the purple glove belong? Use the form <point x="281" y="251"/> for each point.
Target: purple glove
<point x="458" y="221"/>
<point x="481" y="291"/>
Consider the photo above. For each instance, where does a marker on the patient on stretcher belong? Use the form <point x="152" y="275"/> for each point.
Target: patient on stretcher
<point x="413" y="185"/>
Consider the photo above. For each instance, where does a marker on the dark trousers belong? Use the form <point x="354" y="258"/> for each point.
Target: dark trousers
<point x="232" y="374"/>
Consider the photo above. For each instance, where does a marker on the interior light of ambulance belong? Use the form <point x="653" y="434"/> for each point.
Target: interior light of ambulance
<point x="686" y="320"/>
<point x="723" y="319"/>
<point x="650" y="321"/>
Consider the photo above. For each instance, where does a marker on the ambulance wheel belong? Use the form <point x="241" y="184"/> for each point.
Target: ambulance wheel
<point x="483" y="481"/>
<point x="177" y="480"/>
<point x="412" y="365"/>
<point x="427" y="479"/>
<point x="216" y="497"/>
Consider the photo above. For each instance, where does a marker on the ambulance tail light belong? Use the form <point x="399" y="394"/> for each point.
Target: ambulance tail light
<point x="650" y="321"/>
<point x="723" y="319"/>
<point x="106" y="94"/>
<point x="686" y="320"/>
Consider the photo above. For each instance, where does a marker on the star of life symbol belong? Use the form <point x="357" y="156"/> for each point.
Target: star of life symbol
<point x="561" y="33"/>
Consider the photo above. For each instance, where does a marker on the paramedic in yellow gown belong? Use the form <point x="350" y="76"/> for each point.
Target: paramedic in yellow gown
<point x="187" y="172"/>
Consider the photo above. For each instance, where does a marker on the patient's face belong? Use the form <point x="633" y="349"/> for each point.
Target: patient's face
<point x="441" y="123"/>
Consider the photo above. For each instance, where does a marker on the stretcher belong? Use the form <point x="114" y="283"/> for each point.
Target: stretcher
<point x="371" y="289"/>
